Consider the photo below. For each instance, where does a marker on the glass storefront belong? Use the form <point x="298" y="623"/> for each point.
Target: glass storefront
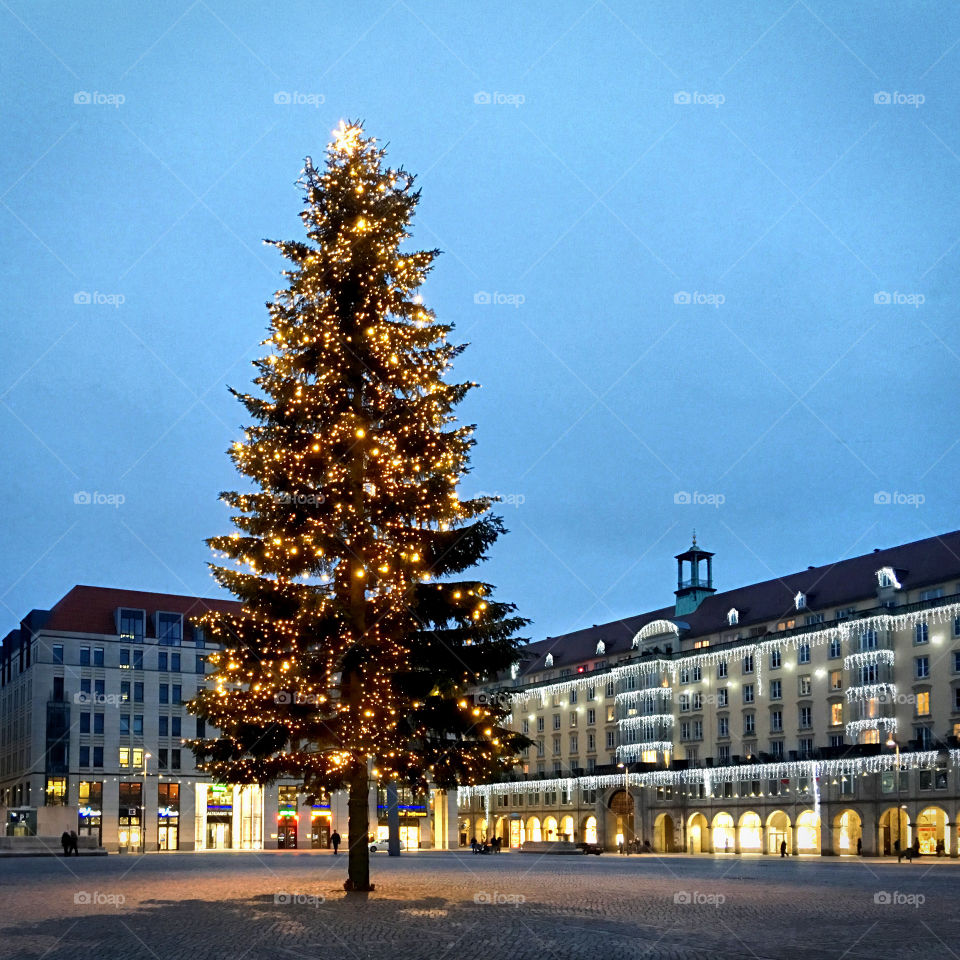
<point x="90" y="813"/>
<point x="168" y="816"/>
<point x="287" y="818"/>
<point x="55" y="794"/>
<point x="320" y="827"/>
<point x="219" y="819"/>
<point x="129" y="832"/>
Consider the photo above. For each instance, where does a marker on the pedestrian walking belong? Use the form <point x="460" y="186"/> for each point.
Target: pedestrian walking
<point x="74" y="843"/>
<point x="474" y="846"/>
<point x="335" y="842"/>
<point x="916" y="847"/>
<point x="859" y="846"/>
<point x="899" y="852"/>
<point x="65" y="843"/>
<point x="783" y="848"/>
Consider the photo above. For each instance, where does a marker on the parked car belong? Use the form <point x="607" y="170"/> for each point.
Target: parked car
<point x="382" y="845"/>
<point x="594" y="848"/>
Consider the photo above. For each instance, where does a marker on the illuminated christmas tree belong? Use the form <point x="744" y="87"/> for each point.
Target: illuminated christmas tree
<point x="359" y="639"/>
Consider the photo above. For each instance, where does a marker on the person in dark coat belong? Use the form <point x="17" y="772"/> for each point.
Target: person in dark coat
<point x="859" y="846"/>
<point x="783" y="848"/>
<point x="916" y="846"/>
<point x="335" y="842"/>
<point x="74" y="843"/>
<point x="65" y="843"/>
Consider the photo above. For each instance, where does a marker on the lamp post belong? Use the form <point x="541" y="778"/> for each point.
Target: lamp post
<point x="891" y="742"/>
<point x="143" y="808"/>
<point x="626" y="788"/>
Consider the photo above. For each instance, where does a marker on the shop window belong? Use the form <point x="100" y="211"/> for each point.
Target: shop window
<point x="55" y="794"/>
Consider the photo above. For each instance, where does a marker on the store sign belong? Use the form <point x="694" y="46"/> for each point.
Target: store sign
<point x="89" y="812"/>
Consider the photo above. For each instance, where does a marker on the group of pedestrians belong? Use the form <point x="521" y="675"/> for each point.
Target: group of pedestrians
<point x="70" y="843"/>
<point x="626" y="847"/>
<point x="485" y="846"/>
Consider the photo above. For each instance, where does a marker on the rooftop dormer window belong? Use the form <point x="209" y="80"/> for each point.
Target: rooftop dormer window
<point x="887" y="577"/>
<point x="601" y="648"/>
<point x="548" y="660"/>
<point x="131" y="624"/>
<point x="733" y="617"/>
<point x="800" y="600"/>
<point x="169" y="628"/>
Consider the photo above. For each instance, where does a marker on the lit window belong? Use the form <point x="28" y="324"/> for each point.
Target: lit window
<point x="836" y="714"/>
<point x="124" y="757"/>
<point x="923" y="703"/>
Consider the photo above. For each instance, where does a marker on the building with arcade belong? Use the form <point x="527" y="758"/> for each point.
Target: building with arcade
<point x="818" y="710"/>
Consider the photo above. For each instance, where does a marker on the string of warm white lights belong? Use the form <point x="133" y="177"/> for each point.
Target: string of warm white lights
<point x="813" y="637"/>
<point x="872" y="691"/>
<point x="868" y="658"/>
<point x="810" y="770"/>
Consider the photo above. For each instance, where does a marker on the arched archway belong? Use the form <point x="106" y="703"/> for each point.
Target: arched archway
<point x="550" y="828"/>
<point x="847" y="830"/>
<point x="590" y="829"/>
<point x="663" y="834"/>
<point x="751" y="833"/>
<point x="724" y="839"/>
<point x="808" y="832"/>
<point x="517" y="832"/>
<point x="933" y="831"/>
<point x="566" y="828"/>
<point x="621" y="805"/>
<point x="698" y="834"/>
<point x="894" y="831"/>
<point x="779" y="831"/>
<point x="480" y="830"/>
<point x="533" y="830"/>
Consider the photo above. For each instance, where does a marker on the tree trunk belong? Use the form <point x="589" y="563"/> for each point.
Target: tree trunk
<point x="358" y="866"/>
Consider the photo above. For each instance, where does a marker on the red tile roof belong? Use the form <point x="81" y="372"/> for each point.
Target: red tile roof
<point x="91" y="609"/>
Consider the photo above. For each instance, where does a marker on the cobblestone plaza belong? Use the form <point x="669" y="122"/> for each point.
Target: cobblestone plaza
<point x="459" y="905"/>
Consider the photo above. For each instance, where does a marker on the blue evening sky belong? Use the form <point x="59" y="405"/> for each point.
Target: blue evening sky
<point x="705" y="254"/>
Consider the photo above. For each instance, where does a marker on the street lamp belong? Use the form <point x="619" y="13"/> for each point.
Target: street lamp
<point x="143" y="808"/>
<point x="896" y="746"/>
